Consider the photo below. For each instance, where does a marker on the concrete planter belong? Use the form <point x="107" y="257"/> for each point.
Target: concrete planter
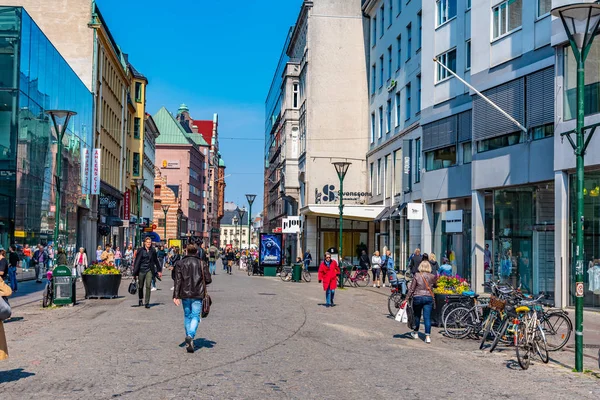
<point x="101" y="286"/>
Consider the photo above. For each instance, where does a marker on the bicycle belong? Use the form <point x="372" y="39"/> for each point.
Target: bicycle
<point x="305" y="274"/>
<point x="529" y="337"/>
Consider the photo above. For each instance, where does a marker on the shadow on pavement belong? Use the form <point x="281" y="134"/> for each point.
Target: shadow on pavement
<point x="13" y="319"/>
<point x="14" y="375"/>
<point x="201" y="343"/>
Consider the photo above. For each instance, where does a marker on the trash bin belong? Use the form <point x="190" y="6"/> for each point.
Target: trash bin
<point x="297" y="272"/>
<point x="63" y="285"/>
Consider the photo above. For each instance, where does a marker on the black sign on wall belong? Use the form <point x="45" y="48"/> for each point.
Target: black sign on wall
<point x="406" y="165"/>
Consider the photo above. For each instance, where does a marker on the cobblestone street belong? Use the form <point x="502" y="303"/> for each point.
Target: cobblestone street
<point x="263" y="339"/>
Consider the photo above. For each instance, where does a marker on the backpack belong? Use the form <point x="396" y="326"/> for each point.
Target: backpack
<point x="212" y="254"/>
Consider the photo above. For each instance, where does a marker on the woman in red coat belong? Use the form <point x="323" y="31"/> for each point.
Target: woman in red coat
<point x="328" y="272"/>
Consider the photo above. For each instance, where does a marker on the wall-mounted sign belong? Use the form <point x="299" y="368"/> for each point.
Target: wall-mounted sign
<point x="95" y="189"/>
<point x="20" y="234"/>
<point x="414" y="211"/>
<point x="126" y="205"/>
<point x="291" y="225"/>
<point x="406" y="162"/>
<point x="454" y="221"/>
<point x="169" y="164"/>
<point x="85" y="171"/>
<point x="329" y="194"/>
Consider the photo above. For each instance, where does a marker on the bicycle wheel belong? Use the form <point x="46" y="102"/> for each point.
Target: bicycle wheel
<point x="541" y="347"/>
<point x="283" y="275"/>
<point x="523" y="349"/>
<point x="458" y="323"/>
<point x="500" y="335"/>
<point x="306" y="276"/>
<point x="449" y="307"/>
<point x="487" y="328"/>
<point x="250" y="271"/>
<point x="394" y="302"/>
<point x="46" y="297"/>
<point x="557" y="327"/>
<point x="362" y="279"/>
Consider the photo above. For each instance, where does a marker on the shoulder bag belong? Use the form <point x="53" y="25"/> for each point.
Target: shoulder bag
<point x="206" y="301"/>
<point x="428" y="288"/>
<point x="133" y="286"/>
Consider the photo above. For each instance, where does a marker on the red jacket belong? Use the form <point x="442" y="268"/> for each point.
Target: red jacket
<point x="328" y="275"/>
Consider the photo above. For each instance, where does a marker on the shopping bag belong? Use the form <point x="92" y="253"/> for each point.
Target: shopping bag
<point x="5" y="310"/>
<point x="410" y="315"/>
<point x="401" y="315"/>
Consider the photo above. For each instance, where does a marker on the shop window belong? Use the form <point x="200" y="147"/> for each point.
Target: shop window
<point x="467" y="153"/>
<point x="440" y="158"/>
<point x="499" y="142"/>
<point x="542" y="132"/>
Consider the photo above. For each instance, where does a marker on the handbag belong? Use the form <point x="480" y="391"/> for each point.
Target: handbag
<point x="5" y="310"/>
<point x="410" y="315"/>
<point x="206" y="301"/>
<point x="133" y="286"/>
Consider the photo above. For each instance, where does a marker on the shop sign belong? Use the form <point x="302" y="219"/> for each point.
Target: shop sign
<point x="167" y="164"/>
<point x="20" y="234"/>
<point x="96" y="172"/>
<point x="85" y="171"/>
<point x="414" y="211"/>
<point x="291" y="225"/>
<point x="454" y="221"/>
<point x="125" y="224"/>
<point x="115" y="230"/>
<point x="330" y="195"/>
<point x="126" y="206"/>
<point x="406" y="162"/>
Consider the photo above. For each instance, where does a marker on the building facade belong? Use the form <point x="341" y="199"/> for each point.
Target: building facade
<point x="151" y="133"/>
<point x="233" y="232"/>
<point x="35" y="78"/>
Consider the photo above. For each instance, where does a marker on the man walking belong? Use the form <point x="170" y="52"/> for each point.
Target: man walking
<point x="191" y="277"/>
<point x="39" y="260"/>
<point x="13" y="262"/>
<point x="307" y="259"/>
<point x="213" y="254"/>
<point x="146" y="265"/>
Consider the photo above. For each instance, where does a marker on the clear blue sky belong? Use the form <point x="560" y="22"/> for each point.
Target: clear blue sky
<point x="214" y="56"/>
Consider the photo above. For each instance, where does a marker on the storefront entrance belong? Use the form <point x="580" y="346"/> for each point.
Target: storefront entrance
<point x="355" y="237"/>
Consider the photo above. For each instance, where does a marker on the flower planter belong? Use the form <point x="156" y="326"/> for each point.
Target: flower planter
<point x="101" y="286"/>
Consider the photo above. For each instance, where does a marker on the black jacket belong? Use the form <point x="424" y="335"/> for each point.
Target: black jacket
<point x="365" y="263"/>
<point x="434" y="267"/>
<point x="154" y="264"/>
<point x="414" y="264"/>
<point x="191" y="277"/>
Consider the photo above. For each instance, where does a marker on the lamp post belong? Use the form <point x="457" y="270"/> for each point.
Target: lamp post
<point x="341" y="167"/>
<point x="165" y="208"/>
<point x="241" y="212"/>
<point x="179" y="215"/>
<point x="139" y="183"/>
<point x="581" y="22"/>
<point x="250" y="198"/>
<point x="235" y="223"/>
<point x="60" y="120"/>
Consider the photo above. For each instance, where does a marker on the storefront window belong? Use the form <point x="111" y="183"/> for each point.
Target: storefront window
<point x="355" y="238"/>
<point x="591" y="236"/>
<point x="499" y="142"/>
<point x="441" y="158"/>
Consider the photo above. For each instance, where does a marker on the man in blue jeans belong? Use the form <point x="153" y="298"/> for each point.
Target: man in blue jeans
<point x="191" y="277"/>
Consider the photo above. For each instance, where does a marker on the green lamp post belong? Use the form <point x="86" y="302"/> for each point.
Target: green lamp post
<point x="250" y="198"/>
<point x="60" y="120"/>
<point x="241" y="212"/>
<point x="581" y="22"/>
<point x="341" y="167"/>
<point x="179" y="215"/>
<point x="139" y="184"/>
<point x="165" y="208"/>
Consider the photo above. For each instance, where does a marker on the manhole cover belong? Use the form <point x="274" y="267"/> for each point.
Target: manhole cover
<point x="267" y="294"/>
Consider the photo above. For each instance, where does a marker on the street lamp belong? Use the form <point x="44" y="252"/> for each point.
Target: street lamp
<point x="165" y="208"/>
<point x="139" y="183"/>
<point x="241" y="212"/>
<point x="250" y="198"/>
<point x="179" y="215"/>
<point x="581" y="22"/>
<point x="235" y="222"/>
<point x="60" y="120"/>
<point x="341" y="167"/>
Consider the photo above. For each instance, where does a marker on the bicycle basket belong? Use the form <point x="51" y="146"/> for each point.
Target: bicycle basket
<point x="497" y="304"/>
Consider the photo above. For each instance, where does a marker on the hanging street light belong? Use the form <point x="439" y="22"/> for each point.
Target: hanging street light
<point x="581" y="21"/>
<point x="241" y="212"/>
<point x="250" y="198"/>
<point x="341" y="167"/>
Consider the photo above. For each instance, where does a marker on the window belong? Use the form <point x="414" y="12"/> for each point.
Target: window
<point x="398" y="170"/>
<point x="448" y="59"/>
<point x="373" y="78"/>
<point x="388" y="176"/>
<point x="418" y="94"/>
<point x="468" y="4"/>
<point x="542" y="132"/>
<point x="295" y="94"/>
<point x="379" y="176"/>
<point x="420" y="26"/>
<point x="592" y="82"/>
<point x="372" y="181"/>
<point x="467" y="153"/>
<point x="389" y="116"/>
<point x="408" y="41"/>
<point x="468" y="54"/>
<point x="391" y="13"/>
<point x="506" y="17"/>
<point x="380" y="122"/>
<point x="136" y="164"/>
<point x="543" y="7"/>
<point x="374" y="34"/>
<point x="381" y="71"/>
<point x="382" y="16"/>
<point x="440" y="158"/>
<point x="399" y="51"/>
<point x="445" y="10"/>
<point x="407" y="89"/>
<point x="373" y="128"/>
<point x="136" y="128"/>
<point x="161" y="222"/>
<point x="499" y="142"/>
<point x="418" y="160"/>
<point x="138" y="92"/>
<point x="399" y="6"/>
<point x="389" y="63"/>
<point x="397" y="108"/>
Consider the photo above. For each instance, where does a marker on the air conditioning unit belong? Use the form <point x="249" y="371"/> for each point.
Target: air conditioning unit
<point x="393" y="84"/>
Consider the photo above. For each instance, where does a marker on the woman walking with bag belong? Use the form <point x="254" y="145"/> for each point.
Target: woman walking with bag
<point x="328" y="273"/>
<point x="420" y="292"/>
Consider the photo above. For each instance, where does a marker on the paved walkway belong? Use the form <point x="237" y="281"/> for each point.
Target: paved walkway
<point x="264" y="339"/>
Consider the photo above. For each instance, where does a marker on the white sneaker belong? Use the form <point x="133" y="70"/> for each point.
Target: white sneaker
<point x="427" y="339"/>
<point x="172" y="288"/>
<point x="414" y="335"/>
<point x="384" y="285"/>
<point x="374" y="285"/>
<point x="153" y="289"/>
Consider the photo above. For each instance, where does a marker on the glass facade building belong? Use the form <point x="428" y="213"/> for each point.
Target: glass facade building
<point x="34" y="78"/>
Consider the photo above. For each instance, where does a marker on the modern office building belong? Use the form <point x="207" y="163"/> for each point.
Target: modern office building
<point x="35" y="78"/>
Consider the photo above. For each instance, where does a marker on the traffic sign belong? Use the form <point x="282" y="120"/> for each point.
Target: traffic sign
<point x="579" y="289"/>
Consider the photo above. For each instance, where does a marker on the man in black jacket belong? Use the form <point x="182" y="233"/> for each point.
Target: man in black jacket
<point x="146" y="266"/>
<point x="415" y="261"/>
<point x="192" y="274"/>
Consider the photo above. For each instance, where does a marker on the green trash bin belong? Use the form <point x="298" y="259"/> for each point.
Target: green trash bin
<point x="63" y="285"/>
<point x="297" y="272"/>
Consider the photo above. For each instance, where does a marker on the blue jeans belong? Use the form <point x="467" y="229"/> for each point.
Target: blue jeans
<point x="212" y="266"/>
<point x="12" y="275"/>
<point x="117" y="262"/>
<point x="191" y="315"/>
<point x="329" y="293"/>
<point x="424" y="305"/>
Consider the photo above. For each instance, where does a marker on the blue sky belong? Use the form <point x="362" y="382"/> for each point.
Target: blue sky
<point x="214" y="56"/>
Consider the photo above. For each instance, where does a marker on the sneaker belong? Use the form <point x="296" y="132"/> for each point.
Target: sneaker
<point x="189" y="344"/>
<point x="147" y="305"/>
<point x="384" y="285"/>
<point x="427" y="339"/>
<point x="414" y="335"/>
<point x="153" y="289"/>
<point x="374" y="285"/>
<point x="141" y="303"/>
<point x="172" y="288"/>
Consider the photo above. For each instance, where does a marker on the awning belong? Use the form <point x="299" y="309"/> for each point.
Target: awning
<point x="398" y="210"/>
<point x="352" y="211"/>
<point x="152" y="235"/>
<point x="114" y="221"/>
<point x="384" y="215"/>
